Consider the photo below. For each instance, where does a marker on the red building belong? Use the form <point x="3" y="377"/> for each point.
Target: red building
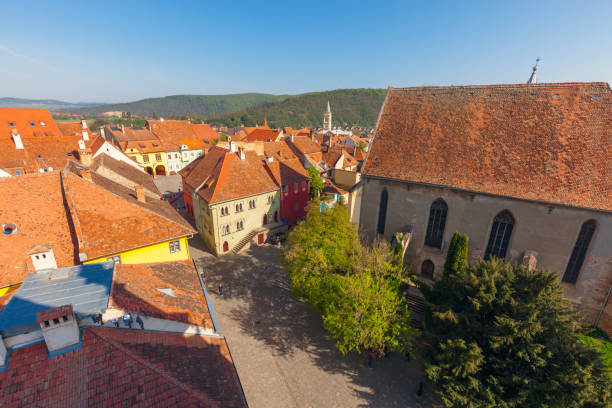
<point x="293" y="179"/>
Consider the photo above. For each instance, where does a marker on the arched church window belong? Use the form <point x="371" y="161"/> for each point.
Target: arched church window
<point x="501" y="230"/>
<point x="579" y="252"/>
<point x="436" y="223"/>
<point x="382" y="212"/>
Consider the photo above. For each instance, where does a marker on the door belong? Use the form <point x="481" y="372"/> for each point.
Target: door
<point x="260" y="239"/>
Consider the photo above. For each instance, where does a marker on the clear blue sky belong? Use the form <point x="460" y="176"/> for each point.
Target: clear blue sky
<point x="108" y="51"/>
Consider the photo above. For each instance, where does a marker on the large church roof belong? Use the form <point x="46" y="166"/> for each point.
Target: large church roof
<point x="542" y="142"/>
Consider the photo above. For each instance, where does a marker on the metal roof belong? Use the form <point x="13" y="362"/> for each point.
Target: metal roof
<point x="86" y="287"/>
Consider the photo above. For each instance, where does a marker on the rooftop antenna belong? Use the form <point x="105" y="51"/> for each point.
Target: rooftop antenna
<point x="532" y="78"/>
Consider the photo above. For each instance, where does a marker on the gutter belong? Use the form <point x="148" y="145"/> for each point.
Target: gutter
<point x="206" y="296"/>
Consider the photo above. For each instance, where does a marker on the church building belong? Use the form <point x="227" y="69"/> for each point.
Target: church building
<point x="524" y="170"/>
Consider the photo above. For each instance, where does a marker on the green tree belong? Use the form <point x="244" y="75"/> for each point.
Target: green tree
<point x="362" y="146"/>
<point x="456" y="258"/>
<point x="316" y="183"/>
<point x="507" y="337"/>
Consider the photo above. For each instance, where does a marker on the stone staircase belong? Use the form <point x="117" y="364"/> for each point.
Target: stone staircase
<point x="416" y="303"/>
<point x="247" y="238"/>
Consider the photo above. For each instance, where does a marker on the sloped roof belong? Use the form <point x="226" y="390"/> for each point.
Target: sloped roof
<point x="109" y="218"/>
<point x="543" y="142"/>
<point x="135" y="176"/>
<point x="171" y="131"/>
<point x="75" y="129"/>
<point x="118" y="368"/>
<point x="204" y="132"/>
<point x="221" y="175"/>
<point x="86" y="287"/>
<point x="127" y="134"/>
<point x="192" y="143"/>
<point x="279" y="150"/>
<point x="305" y="145"/>
<point x="136" y="288"/>
<point x="287" y="171"/>
<point x="262" y="135"/>
<point x="34" y="203"/>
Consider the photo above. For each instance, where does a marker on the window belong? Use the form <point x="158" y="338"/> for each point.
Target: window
<point x="239" y="207"/>
<point x="500" y="235"/>
<point x="176" y="155"/>
<point x="304" y="185"/>
<point x="286" y="189"/>
<point x="225" y="229"/>
<point x="251" y="204"/>
<point x="436" y="223"/>
<point x="579" y="252"/>
<point x="295" y="187"/>
<point x="296" y="207"/>
<point x="239" y="226"/>
<point x="382" y="212"/>
<point x="157" y="156"/>
<point x="169" y="156"/>
<point x="224" y="211"/>
<point x="18" y="172"/>
<point x="175" y="246"/>
<point x="11" y="123"/>
<point x="116" y="259"/>
<point x="265" y="219"/>
<point x="145" y="158"/>
<point x="225" y="246"/>
<point x="270" y="199"/>
<point x="32" y="124"/>
<point x="42" y="124"/>
<point x="276" y="216"/>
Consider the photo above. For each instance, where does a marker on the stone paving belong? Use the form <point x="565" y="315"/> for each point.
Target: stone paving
<point x="283" y="355"/>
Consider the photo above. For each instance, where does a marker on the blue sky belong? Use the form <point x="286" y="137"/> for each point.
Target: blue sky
<point x="127" y="50"/>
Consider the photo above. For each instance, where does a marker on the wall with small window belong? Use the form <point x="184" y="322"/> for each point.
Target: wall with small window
<point x="173" y="250"/>
<point x="563" y="238"/>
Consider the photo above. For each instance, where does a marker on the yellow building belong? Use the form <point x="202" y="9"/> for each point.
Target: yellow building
<point x="234" y="199"/>
<point x="142" y="146"/>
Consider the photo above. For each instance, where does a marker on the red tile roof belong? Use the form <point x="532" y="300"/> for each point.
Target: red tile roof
<point x="35" y="204"/>
<point x="75" y="130"/>
<point x="204" y="132"/>
<point x="172" y="131"/>
<point x="279" y="150"/>
<point x="263" y="135"/>
<point x="54" y="313"/>
<point x="221" y="175"/>
<point x="192" y="143"/>
<point x="110" y="219"/>
<point x="135" y="289"/>
<point x="120" y="368"/>
<point x="124" y="174"/>
<point x="287" y="172"/>
<point x="543" y="142"/>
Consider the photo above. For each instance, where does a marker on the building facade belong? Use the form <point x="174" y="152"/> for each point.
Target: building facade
<point x="504" y="165"/>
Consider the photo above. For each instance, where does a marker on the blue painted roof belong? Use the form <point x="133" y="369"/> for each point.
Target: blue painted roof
<point x="87" y="287"/>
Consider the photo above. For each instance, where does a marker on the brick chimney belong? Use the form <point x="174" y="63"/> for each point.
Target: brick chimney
<point x="85" y="156"/>
<point x="140" y="195"/>
<point x="241" y="153"/>
<point x="86" y="174"/>
<point x="83" y="123"/>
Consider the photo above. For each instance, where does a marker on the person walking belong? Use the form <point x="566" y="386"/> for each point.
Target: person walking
<point x="220" y="290"/>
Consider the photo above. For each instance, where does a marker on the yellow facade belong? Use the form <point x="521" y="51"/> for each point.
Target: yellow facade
<point x="154" y="159"/>
<point x="8" y="289"/>
<point x="151" y="254"/>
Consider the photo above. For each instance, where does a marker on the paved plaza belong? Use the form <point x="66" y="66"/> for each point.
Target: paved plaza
<point x="283" y="355"/>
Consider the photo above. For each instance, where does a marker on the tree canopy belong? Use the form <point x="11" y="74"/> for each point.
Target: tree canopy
<point x="504" y="336"/>
<point x="316" y="183"/>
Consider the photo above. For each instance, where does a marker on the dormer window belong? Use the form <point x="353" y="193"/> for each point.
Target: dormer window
<point x="32" y="124"/>
<point x="42" y="123"/>
<point x="8" y="229"/>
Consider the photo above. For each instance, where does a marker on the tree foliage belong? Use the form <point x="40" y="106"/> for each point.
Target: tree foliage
<point x="356" y="288"/>
<point x="504" y="336"/>
<point x="316" y="183"/>
<point x="456" y="258"/>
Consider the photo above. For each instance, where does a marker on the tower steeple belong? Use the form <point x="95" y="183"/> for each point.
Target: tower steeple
<point x="327" y="118"/>
<point x="532" y="78"/>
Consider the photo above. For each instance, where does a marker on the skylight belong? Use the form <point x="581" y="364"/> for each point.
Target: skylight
<point x="11" y="123"/>
<point x="32" y="124"/>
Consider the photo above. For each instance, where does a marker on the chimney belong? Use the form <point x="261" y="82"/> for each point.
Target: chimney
<point x="17" y="139"/>
<point x="123" y="129"/>
<point x="60" y="329"/>
<point x="102" y="133"/>
<point x="85" y="156"/>
<point x="83" y="123"/>
<point x="292" y="138"/>
<point x="42" y="257"/>
<point x="86" y="174"/>
<point x="241" y="153"/>
<point x="269" y="159"/>
<point x="140" y="195"/>
<point x="232" y="146"/>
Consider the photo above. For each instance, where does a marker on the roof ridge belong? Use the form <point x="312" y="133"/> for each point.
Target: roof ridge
<point x="220" y="182"/>
<point x="522" y="86"/>
<point x="72" y="209"/>
<point x="160" y="371"/>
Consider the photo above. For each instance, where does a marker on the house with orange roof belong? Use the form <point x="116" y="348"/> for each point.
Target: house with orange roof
<point x="264" y="135"/>
<point x="142" y="146"/>
<point x="233" y="198"/>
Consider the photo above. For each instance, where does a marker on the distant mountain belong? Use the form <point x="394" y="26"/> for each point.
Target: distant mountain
<point x="359" y="107"/>
<point x="187" y="105"/>
<point x="50" y="104"/>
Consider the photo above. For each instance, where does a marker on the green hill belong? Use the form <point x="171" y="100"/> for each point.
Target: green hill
<point x="186" y="105"/>
<point x="359" y="107"/>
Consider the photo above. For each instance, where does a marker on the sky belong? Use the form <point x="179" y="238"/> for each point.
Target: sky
<point x="120" y="51"/>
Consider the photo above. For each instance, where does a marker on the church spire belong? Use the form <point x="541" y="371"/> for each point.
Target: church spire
<point x="328" y="108"/>
<point x="532" y="78"/>
<point x="327" y="118"/>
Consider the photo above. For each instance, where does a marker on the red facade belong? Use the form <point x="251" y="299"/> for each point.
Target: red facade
<point x="294" y="198"/>
<point x="187" y="198"/>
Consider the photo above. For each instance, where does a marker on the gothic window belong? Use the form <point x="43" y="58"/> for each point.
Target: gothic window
<point x="382" y="212"/>
<point x="500" y="235"/>
<point x="251" y="204"/>
<point x="436" y="223"/>
<point x="239" y="207"/>
<point x="275" y="216"/>
<point x="579" y="253"/>
<point x="239" y="226"/>
<point x="265" y="219"/>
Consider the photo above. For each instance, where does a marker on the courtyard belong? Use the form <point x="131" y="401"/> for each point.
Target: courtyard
<point x="283" y="354"/>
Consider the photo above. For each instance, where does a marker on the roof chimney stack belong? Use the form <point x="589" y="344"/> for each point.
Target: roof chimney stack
<point x="17" y="139"/>
<point x="232" y="147"/>
<point x="83" y="123"/>
<point x="85" y="156"/>
<point x="140" y="195"/>
<point x="59" y="328"/>
<point x="241" y="153"/>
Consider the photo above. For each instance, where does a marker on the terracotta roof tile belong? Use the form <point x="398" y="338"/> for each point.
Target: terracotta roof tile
<point x="263" y="135"/>
<point x="204" y="132"/>
<point x="36" y="206"/>
<point x="287" y="172"/>
<point x="136" y="289"/>
<point x="118" y="368"/>
<point x="544" y="142"/>
<point x="171" y="131"/>
<point x="131" y="175"/>
<point x="111" y="219"/>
